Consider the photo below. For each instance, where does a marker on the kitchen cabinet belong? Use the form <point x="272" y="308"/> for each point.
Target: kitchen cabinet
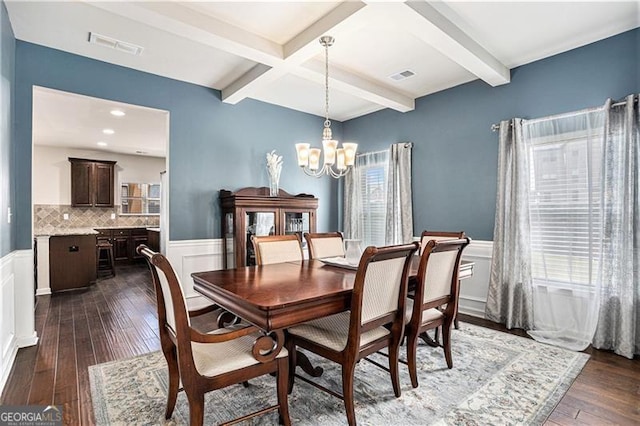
<point x="251" y="211"/>
<point x="125" y="241"/>
<point x="92" y="182"/>
<point x="153" y="239"/>
<point x="72" y="261"/>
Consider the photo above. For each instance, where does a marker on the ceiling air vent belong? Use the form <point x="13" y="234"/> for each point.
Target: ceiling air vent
<point x="115" y="44"/>
<point x="402" y="75"/>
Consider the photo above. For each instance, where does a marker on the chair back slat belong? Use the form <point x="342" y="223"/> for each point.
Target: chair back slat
<point x="327" y="244"/>
<point x="277" y="249"/>
<point x="382" y="284"/>
<point x="440" y="270"/>
<point x="438" y="236"/>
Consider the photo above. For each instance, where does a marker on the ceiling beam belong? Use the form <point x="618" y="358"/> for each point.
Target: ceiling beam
<point x="298" y="50"/>
<point x="355" y="85"/>
<point x="427" y="23"/>
<point x="272" y="59"/>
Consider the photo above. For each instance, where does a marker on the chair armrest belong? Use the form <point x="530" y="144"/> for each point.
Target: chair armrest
<point x="198" y="337"/>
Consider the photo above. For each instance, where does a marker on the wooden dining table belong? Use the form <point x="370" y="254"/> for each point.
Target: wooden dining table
<point x="277" y="296"/>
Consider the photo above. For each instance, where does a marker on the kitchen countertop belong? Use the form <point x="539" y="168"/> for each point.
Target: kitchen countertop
<point x="85" y="231"/>
<point x="64" y="231"/>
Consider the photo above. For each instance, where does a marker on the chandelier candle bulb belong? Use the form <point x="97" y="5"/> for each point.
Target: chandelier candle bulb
<point x="350" y="150"/>
<point x="329" y="151"/>
<point x="302" y="150"/>
<point x="340" y="158"/>
<point x="314" y="158"/>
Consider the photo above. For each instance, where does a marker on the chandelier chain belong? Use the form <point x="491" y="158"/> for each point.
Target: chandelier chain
<point x="327" y="123"/>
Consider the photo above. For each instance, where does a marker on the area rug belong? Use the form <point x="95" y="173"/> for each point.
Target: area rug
<point x="497" y="379"/>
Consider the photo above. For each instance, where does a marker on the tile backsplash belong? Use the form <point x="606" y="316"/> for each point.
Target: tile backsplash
<point x="49" y="217"/>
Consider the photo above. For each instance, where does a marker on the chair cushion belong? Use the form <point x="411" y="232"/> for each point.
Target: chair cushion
<point x="427" y="316"/>
<point x="212" y="359"/>
<point x="333" y="331"/>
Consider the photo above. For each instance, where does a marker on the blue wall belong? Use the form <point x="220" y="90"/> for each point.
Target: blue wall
<point x="7" y="79"/>
<point x="455" y="152"/>
<point x="212" y="145"/>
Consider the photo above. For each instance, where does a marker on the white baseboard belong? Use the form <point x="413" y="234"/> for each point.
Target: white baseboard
<point x="17" y="317"/>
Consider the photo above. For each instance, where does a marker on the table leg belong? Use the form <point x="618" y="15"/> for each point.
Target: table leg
<point x="303" y="362"/>
<point x="428" y="340"/>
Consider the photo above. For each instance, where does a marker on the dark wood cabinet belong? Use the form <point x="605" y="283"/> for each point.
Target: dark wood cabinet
<point x="251" y="211"/>
<point x="153" y="239"/>
<point x="72" y="261"/>
<point x="125" y="241"/>
<point x="92" y="182"/>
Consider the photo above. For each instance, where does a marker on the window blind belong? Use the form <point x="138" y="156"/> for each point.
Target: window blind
<point x="565" y="203"/>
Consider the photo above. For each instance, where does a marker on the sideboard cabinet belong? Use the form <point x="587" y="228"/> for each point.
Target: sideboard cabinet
<point x="251" y="211"/>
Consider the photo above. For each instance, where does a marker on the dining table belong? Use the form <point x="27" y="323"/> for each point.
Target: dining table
<point x="277" y="296"/>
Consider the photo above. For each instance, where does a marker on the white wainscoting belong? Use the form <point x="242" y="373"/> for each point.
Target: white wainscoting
<point x="474" y="290"/>
<point x="190" y="256"/>
<point x="17" y="321"/>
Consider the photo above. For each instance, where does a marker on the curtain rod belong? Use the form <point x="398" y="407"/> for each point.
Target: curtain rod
<point x="495" y="127"/>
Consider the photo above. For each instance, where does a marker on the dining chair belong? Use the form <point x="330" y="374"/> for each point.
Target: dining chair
<point x="375" y="321"/>
<point x="324" y="244"/>
<point x="205" y="362"/>
<point x="436" y="297"/>
<point x="277" y="248"/>
<point x="427" y="236"/>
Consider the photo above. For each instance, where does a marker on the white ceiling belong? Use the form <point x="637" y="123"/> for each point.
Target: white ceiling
<point x="269" y="51"/>
<point x="68" y="120"/>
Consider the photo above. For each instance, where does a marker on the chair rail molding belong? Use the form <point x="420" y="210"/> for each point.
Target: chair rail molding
<point x="17" y="317"/>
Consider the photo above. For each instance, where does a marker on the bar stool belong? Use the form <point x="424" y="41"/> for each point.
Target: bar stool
<point x="105" y="267"/>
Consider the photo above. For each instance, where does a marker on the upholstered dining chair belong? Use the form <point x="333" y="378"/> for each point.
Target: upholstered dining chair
<point x="277" y="248"/>
<point x="427" y="236"/>
<point x="436" y="298"/>
<point x="324" y="244"/>
<point x="374" y="321"/>
<point x="205" y="362"/>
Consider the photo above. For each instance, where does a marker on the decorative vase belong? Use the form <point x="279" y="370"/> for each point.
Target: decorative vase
<point x="353" y="251"/>
<point x="274" y="184"/>
<point x="274" y="167"/>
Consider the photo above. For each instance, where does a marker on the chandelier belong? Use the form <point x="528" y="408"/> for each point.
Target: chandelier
<point x="337" y="161"/>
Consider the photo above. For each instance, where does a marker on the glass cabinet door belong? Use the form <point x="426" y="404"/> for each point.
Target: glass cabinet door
<point x="230" y="243"/>
<point x="297" y="223"/>
<point x="259" y="224"/>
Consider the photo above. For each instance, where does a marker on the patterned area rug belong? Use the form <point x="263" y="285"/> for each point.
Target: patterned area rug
<point x="497" y="379"/>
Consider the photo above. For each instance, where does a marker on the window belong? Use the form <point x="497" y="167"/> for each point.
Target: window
<point x="140" y="198"/>
<point x="371" y="181"/>
<point x="565" y="207"/>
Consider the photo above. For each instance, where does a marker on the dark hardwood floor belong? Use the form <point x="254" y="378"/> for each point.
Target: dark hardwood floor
<point x="116" y="319"/>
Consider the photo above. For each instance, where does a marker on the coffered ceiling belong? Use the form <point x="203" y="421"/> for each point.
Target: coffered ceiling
<point x="269" y="51"/>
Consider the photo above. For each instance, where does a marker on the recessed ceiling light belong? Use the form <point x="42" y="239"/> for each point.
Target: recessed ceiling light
<point x="101" y="144"/>
<point x="118" y="113"/>
<point x="108" y="131"/>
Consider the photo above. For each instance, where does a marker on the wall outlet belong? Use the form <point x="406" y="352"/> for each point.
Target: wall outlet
<point x="113" y="215"/>
<point x="65" y="216"/>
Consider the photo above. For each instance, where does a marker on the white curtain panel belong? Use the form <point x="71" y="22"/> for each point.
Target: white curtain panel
<point x="565" y="193"/>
